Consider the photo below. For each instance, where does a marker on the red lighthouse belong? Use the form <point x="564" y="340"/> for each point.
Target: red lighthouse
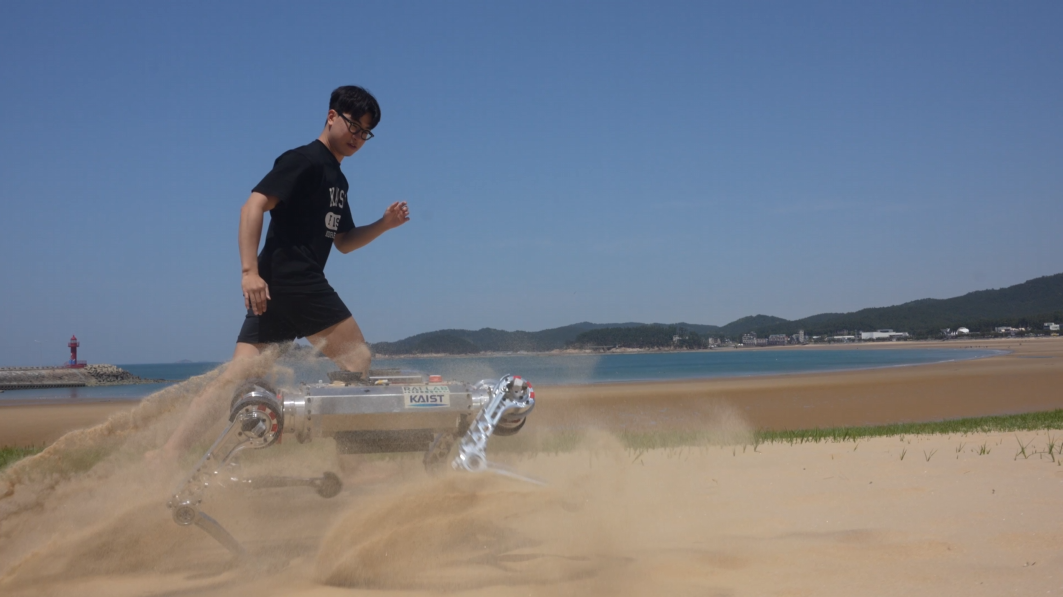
<point x="73" y="344"/>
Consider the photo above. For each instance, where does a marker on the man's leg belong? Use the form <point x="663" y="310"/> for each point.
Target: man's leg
<point x="246" y="351"/>
<point x="205" y="408"/>
<point x="345" y="345"/>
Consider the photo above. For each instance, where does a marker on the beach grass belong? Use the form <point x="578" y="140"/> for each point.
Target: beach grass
<point x="9" y="455"/>
<point x="651" y="440"/>
<point x="1052" y="419"/>
<point x="553" y="442"/>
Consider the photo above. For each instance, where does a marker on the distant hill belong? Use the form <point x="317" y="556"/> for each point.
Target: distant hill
<point x="643" y="336"/>
<point x="1029" y="304"/>
<point x="490" y="340"/>
<point x="740" y="326"/>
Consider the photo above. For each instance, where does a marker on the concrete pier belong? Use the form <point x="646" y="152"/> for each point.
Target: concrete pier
<point x="25" y="378"/>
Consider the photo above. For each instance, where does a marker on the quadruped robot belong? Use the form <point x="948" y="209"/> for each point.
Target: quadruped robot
<point x="391" y="411"/>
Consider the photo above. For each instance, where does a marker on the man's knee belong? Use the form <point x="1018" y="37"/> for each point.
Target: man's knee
<point x="245" y="350"/>
<point x="249" y="360"/>
<point x="355" y="357"/>
<point x="339" y="339"/>
<point x="345" y="345"/>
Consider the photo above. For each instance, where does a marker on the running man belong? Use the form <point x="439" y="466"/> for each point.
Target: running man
<point x="285" y="290"/>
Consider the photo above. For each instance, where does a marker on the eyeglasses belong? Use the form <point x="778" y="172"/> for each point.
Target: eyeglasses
<point x="356" y="130"/>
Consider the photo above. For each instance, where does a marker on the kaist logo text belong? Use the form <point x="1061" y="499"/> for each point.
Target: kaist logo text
<point x="426" y="396"/>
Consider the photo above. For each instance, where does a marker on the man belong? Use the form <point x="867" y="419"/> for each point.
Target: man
<point x="285" y="290"/>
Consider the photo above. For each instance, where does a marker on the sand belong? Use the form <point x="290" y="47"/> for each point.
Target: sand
<point x="1027" y="379"/>
<point x="25" y="425"/>
<point x="916" y="515"/>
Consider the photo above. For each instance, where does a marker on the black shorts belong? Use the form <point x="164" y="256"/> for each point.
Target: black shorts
<point x="293" y="315"/>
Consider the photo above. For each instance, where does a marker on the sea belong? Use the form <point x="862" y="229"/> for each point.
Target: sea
<point x="548" y="369"/>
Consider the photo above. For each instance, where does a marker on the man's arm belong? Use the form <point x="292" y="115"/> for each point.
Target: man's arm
<point x="395" y="215"/>
<point x="256" y="291"/>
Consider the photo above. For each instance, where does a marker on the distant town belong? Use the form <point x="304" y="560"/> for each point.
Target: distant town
<point x="644" y="337"/>
<point x="885" y="335"/>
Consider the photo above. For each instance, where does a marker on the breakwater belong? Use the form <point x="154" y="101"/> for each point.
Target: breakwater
<point x="20" y="378"/>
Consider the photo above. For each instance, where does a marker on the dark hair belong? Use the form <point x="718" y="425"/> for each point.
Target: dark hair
<point x="357" y="102"/>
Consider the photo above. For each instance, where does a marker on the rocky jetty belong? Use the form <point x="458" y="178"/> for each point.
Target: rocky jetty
<point x="19" y="378"/>
<point x="109" y="375"/>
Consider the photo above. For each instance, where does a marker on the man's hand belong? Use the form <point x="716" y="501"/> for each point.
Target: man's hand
<point x="396" y="215"/>
<point x="256" y="293"/>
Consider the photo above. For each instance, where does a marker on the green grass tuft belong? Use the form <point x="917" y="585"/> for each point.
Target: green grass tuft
<point x="568" y="440"/>
<point x="10" y="455"/>
<point x="1025" y="422"/>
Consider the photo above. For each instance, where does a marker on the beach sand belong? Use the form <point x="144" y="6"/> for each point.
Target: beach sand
<point x="917" y="515"/>
<point x="1027" y="379"/>
<point x="28" y="425"/>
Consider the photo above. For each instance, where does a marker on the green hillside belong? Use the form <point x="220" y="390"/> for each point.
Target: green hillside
<point x="491" y="340"/>
<point x="643" y="336"/>
<point x="1029" y="304"/>
<point x="753" y="322"/>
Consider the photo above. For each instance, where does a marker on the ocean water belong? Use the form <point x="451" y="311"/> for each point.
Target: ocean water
<point x="589" y="369"/>
<point x="552" y="369"/>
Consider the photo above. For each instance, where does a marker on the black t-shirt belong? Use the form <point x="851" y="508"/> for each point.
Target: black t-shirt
<point x="313" y="209"/>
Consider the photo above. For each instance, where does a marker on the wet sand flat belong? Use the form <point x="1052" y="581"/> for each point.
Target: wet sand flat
<point x="1027" y="379"/>
<point x="26" y="425"/>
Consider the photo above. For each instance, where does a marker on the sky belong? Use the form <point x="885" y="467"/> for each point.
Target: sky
<point x="563" y="162"/>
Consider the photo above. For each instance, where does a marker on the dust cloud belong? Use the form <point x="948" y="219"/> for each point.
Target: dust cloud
<point x="87" y="515"/>
<point x="467" y="532"/>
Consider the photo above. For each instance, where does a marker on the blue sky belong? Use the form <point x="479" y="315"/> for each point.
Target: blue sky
<point x="564" y="162"/>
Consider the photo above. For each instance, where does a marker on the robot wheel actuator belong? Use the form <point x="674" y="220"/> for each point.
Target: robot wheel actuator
<point x="260" y="410"/>
<point x="255" y="386"/>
